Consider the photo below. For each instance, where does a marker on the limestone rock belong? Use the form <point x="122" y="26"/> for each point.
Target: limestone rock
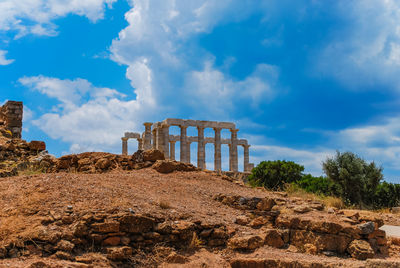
<point x="301" y="209"/>
<point x="168" y="166"/>
<point x="37" y="145"/>
<point x="249" y="242"/>
<point x="112" y="241"/>
<point x="273" y="238"/>
<point x="136" y="223"/>
<point x="65" y="245"/>
<point x="153" y="155"/>
<point x="103" y="163"/>
<point x="266" y="204"/>
<point x="367" y="228"/>
<point x="360" y="249"/>
<point x="119" y="253"/>
<point x="106" y="227"/>
<point x="242" y="220"/>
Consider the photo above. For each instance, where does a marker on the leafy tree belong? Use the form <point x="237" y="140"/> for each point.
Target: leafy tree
<point x="274" y="174"/>
<point x="357" y="178"/>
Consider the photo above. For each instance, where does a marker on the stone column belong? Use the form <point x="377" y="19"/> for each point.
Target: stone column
<point x="160" y="138"/>
<point x="183" y="145"/>
<point x="165" y="131"/>
<point x="201" y="150"/>
<point x="147" y="136"/>
<point x="233" y="152"/>
<point x="172" y="150"/>
<point x="217" y="149"/>
<point x="246" y="158"/>
<point x="140" y="143"/>
<point x="154" y="138"/>
<point x="188" y="151"/>
<point x="124" y="146"/>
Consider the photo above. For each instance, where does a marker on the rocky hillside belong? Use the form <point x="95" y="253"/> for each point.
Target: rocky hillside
<point x="92" y="210"/>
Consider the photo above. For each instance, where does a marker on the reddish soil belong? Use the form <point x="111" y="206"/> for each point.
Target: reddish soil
<point x="25" y="200"/>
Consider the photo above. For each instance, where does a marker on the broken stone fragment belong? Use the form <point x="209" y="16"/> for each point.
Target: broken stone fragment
<point x="360" y="250"/>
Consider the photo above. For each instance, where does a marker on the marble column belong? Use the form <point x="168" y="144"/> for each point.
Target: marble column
<point x="160" y="138"/>
<point x="201" y="150"/>
<point x="246" y="158"/>
<point x="154" y="138"/>
<point x="233" y="152"/>
<point x="124" y="146"/>
<point x="172" y="150"/>
<point x="183" y="144"/>
<point x="165" y="131"/>
<point x="140" y="143"/>
<point x="217" y="149"/>
<point x="188" y="151"/>
<point x="147" y="136"/>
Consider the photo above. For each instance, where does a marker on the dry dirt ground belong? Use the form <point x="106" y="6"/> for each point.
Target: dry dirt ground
<point x="25" y="200"/>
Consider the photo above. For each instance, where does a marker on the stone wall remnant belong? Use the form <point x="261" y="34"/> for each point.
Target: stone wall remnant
<point x="156" y="135"/>
<point x="11" y="117"/>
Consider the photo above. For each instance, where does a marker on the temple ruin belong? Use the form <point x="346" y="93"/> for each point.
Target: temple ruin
<point x="157" y="136"/>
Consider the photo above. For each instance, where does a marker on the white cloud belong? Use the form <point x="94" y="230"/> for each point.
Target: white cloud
<point x="35" y="16"/>
<point x="366" y="50"/>
<point x="3" y="60"/>
<point x="184" y="78"/>
<point x="90" y="117"/>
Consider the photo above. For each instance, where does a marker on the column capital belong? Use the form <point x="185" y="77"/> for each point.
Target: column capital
<point x="200" y="127"/>
<point x="124" y="139"/>
<point x="163" y="125"/>
<point x="139" y="139"/>
<point x="173" y="142"/>
<point x="234" y="130"/>
<point x="147" y="124"/>
<point x="217" y="128"/>
<point x="246" y="145"/>
<point x="183" y="126"/>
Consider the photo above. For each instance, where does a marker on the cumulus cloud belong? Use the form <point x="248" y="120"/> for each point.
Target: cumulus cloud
<point x="3" y="60"/>
<point x="184" y="78"/>
<point x="35" y="16"/>
<point x="365" y="49"/>
<point x="89" y="117"/>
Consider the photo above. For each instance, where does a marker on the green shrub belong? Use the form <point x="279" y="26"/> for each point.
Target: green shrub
<point x="319" y="185"/>
<point x="386" y="195"/>
<point x="274" y="174"/>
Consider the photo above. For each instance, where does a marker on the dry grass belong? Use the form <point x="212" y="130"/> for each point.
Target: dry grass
<point x="328" y="201"/>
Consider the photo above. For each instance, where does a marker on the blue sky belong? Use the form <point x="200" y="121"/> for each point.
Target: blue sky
<point x="301" y="79"/>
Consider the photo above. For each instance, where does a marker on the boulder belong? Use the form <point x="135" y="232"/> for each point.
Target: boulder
<point x="242" y="220"/>
<point x="367" y="228"/>
<point x="153" y="155"/>
<point x="266" y="204"/>
<point x="136" y="223"/>
<point x="37" y="145"/>
<point x="360" y="250"/>
<point x="168" y="166"/>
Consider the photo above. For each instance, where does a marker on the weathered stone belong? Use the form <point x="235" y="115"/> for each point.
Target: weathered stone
<point x="360" y="249"/>
<point x="153" y="155"/>
<point x="136" y="223"/>
<point x="168" y="166"/>
<point x="65" y="245"/>
<point x="301" y="209"/>
<point x="106" y="227"/>
<point x="246" y="242"/>
<point x="366" y="228"/>
<point x="3" y="252"/>
<point x="119" y="253"/>
<point x="242" y="220"/>
<point x="64" y="256"/>
<point x="103" y="163"/>
<point x="273" y="238"/>
<point x="258" y="222"/>
<point x="37" y="145"/>
<point x="266" y="204"/>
